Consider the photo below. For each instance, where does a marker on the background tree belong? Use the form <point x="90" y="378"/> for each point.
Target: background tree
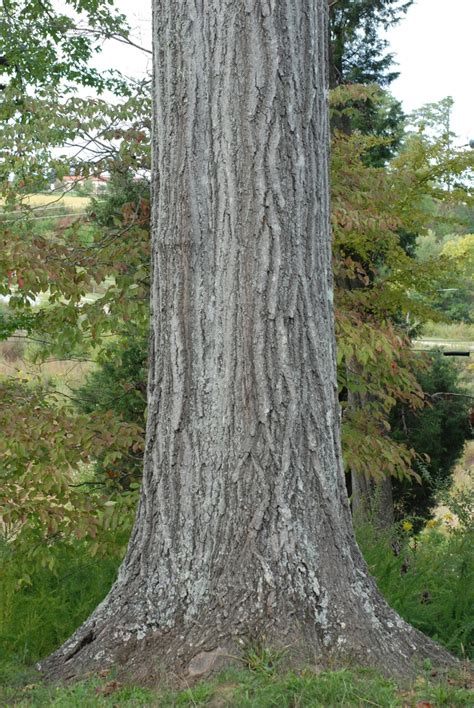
<point x="438" y="431"/>
<point x="53" y="256"/>
<point x="357" y="52"/>
<point x="376" y="218"/>
<point x="357" y="56"/>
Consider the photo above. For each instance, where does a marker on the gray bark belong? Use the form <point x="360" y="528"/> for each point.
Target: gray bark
<point x="243" y="527"/>
<point x="371" y="500"/>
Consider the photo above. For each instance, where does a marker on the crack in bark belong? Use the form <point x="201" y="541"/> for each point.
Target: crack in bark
<point x="87" y="639"/>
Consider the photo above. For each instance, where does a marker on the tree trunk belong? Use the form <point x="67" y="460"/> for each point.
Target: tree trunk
<point x="243" y="528"/>
<point x="371" y="500"/>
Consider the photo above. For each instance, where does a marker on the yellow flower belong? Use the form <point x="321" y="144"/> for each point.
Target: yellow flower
<point x="431" y="523"/>
<point x="407" y="526"/>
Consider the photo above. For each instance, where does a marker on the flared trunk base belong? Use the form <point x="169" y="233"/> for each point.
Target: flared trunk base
<point x="190" y="651"/>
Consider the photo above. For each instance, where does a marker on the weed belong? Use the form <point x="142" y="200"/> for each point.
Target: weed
<point x="429" y="581"/>
<point x="257" y="656"/>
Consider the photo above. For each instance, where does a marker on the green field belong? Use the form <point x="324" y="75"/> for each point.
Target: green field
<point x="64" y="201"/>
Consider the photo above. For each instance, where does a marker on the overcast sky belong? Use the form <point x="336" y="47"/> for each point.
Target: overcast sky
<point x="434" y="49"/>
<point x="433" y="46"/>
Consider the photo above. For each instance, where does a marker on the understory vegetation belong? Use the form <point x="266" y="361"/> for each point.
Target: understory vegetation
<point x="428" y="578"/>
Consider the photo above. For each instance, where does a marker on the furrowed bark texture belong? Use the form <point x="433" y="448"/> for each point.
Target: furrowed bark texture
<point x="243" y="529"/>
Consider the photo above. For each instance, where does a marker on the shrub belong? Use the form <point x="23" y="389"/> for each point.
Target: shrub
<point x="119" y="384"/>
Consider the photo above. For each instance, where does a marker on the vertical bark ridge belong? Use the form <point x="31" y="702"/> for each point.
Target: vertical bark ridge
<point x="256" y="307"/>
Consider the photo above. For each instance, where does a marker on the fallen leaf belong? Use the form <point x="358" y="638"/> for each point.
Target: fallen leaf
<point x="108" y="688"/>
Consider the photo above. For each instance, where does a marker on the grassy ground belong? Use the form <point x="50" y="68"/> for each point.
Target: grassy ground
<point x="69" y="201"/>
<point x="443" y="330"/>
<point x="16" y="362"/>
<point x="261" y="688"/>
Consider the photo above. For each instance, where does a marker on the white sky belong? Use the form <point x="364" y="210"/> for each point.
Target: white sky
<point x="433" y="47"/>
<point x="434" y="50"/>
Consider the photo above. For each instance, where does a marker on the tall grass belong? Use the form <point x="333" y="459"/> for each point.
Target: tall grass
<point x="429" y="580"/>
<point x="40" y="607"/>
<point x="456" y="331"/>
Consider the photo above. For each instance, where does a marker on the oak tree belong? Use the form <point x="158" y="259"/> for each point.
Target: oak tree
<point x="243" y="527"/>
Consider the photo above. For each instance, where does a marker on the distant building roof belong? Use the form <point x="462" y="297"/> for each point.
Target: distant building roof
<point x="80" y="178"/>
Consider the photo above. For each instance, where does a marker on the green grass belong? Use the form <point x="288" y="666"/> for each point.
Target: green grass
<point x="247" y="689"/>
<point x="458" y="331"/>
<point x="41" y="606"/>
<point x="430" y="582"/>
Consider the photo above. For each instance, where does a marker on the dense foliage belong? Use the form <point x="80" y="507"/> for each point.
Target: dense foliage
<point x="119" y="384"/>
<point x="429" y="579"/>
<point x="438" y="431"/>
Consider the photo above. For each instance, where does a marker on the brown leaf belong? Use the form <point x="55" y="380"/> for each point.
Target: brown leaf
<point x="108" y="688"/>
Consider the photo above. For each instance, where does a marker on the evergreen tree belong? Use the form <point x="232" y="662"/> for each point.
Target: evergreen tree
<point x="357" y="52"/>
<point x="357" y="55"/>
